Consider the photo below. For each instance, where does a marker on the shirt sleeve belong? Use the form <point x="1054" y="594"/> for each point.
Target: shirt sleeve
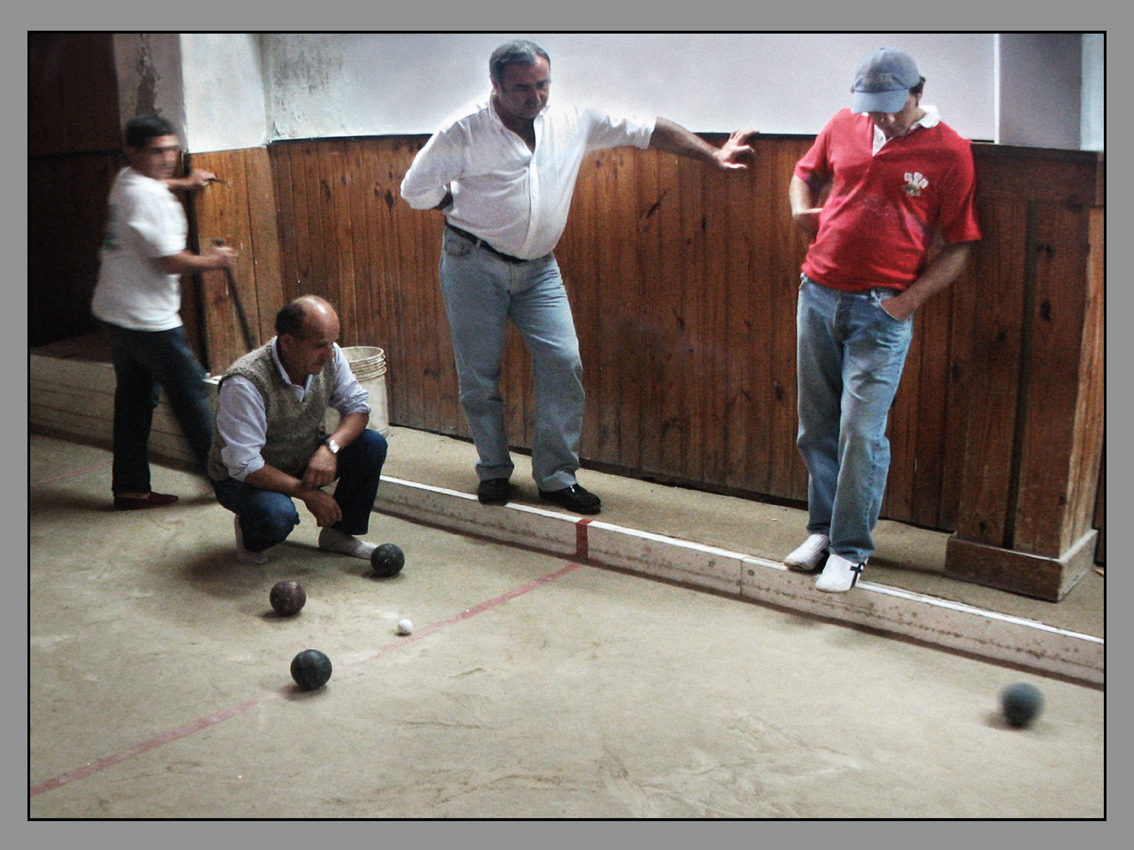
<point x="243" y="424"/>
<point x="152" y="222"/>
<point x="815" y="164"/>
<point x="958" y="219"/>
<point x="348" y="395"/>
<point x="435" y="166"/>
<point x="606" y="130"/>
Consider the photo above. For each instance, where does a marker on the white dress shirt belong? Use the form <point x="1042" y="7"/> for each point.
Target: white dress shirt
<point x="242" y="419"/>
<point x="514" y="198"/>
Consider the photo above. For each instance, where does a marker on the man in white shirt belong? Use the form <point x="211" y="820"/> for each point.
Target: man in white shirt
<point x="503" y="170"/>
<point x="269" y="447"/>
<point x="137" y="301"/>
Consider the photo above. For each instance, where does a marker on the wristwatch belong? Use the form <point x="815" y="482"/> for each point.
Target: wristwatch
<point x="331" y="444"/>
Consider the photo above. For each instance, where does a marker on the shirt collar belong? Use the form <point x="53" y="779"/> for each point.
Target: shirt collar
<point x="931" y="119"/>
<point x="282" y="370"/>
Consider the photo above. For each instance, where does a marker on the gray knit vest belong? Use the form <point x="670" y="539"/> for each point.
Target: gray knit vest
<point x="295" y="428"/>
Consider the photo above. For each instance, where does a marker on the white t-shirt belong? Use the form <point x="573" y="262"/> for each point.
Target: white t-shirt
<point x="514" y="198"/>
<point x="144" y="222"/>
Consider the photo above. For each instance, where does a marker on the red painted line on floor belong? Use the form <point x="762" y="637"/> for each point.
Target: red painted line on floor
<point x="71" y="474"/>
<point x="581" y="550"/>
<point x="242" y="708"/>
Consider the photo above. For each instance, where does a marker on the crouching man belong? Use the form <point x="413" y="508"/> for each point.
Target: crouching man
<point x="269" y="447"/>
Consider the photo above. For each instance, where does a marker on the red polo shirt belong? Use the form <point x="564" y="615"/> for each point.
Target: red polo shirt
<point x="886" y="210"/>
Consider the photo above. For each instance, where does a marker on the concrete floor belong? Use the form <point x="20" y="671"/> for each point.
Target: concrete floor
<point x="533" y="686"/>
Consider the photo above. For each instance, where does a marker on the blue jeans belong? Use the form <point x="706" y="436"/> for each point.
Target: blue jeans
<point x="850" y="358"/>
<point x="267" y="517"/>
<point x="146" y="363"/>
<point x="482" y="292"/>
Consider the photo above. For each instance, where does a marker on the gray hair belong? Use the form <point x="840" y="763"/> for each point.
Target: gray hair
<point x="518" y="52"/>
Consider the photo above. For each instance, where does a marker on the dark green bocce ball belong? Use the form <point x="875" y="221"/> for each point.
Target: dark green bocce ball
<point x="1021" y="703"/>
<point x="387" y="560"/>
<point x="311" y="669"/>
<point x="287" y="597"/>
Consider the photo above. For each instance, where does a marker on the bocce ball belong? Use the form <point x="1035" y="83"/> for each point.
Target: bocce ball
<point x="287" y="597"/>
<point x="1021" y="703"/>
<point x="311" y="669"/>
<point x="387" y="560"/>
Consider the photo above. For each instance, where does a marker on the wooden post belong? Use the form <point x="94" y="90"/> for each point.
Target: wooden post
<point x="1036" y="426"/>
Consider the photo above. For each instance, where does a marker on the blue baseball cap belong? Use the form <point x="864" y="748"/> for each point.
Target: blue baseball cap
<point x="883" y="81"/>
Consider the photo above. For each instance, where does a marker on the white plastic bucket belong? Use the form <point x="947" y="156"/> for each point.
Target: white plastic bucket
<point x="369" y="366"/>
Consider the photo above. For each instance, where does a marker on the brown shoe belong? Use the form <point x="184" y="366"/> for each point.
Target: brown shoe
<point x="137" y="503"/>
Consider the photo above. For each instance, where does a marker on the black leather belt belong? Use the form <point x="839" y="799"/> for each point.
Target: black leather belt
<point x="480" y="243"/>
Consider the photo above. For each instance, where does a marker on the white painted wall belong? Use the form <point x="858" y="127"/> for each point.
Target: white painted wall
<point x="1040" y="89"/>
<point x="224" y="91"/>
<point x="236" y="90"/>
<point x="1093" y="124"/>
<point x="379" y="84"/>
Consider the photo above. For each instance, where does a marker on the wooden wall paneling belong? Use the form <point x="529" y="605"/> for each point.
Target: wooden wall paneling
<point x="788" y="475"/>
<point x="621" y="300"/>
<point x="672" y="377"/>
<point x="618" y="289"/>
<point x="368" y="265"/>
<point x="1088" y="429"/>
<point x="929" y="429"/>
<point x="578" y="253"/>
<point x="382" y="202"/>
<point x="279" y="157"/>
<point x="222" y="213"/>
<point x="1052" y="378"/>
<point x="413" y="228"/>
<point x="72" y="93"/>
<point x="650" y="197"/>
<point x="268" y="294"/>
<point x="965" y="297"/>
<point x="718" y="291"/>
<point x="902" y="430"/>
<point x="744" y="407"/>
<point x="438" y="367"/>
<point x="993" y="382"/>
<point x="693" y="333"/>
<point x="312" y="256"/>
<point x="338" y="232"/>
<point x="66" y="222"/>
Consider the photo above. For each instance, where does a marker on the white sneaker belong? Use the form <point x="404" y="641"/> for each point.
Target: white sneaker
<point x="807" y="557"/>
<point x="840" y="575"/>
<point x="333" y="540"/>
<point x="243" y="556"/>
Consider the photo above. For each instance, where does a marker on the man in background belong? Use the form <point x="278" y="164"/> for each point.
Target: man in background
<point x="137" y="301"/>
<point x="503" y="170"/>
<point x="897" y="228"/>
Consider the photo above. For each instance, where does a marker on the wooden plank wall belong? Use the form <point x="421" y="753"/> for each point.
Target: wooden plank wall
<point x="684" y="282"/>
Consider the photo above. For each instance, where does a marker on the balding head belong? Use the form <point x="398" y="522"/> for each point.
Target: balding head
<point x="296" y="316"/>
<point x="307" y="329"/>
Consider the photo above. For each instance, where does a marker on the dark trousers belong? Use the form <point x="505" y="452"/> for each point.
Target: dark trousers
<point x="145" y="364"/>
<point x="267" y="517"/>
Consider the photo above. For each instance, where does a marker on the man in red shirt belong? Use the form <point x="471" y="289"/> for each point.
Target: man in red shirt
<point x="897" y="227"/>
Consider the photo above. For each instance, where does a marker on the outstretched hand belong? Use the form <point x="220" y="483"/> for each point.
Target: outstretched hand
<point x="731" y="155"/>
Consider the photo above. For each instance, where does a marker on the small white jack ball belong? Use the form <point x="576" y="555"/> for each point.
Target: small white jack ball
<point x="405" y="627"/>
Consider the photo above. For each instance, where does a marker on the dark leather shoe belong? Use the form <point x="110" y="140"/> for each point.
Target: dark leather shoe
<point x="137" y="503"/>
<point x="494" y="491"/>
<point x="573" y="498"/>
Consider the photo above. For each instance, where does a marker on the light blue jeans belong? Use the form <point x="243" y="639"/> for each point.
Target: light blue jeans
<point x="850" y="358"/>
<point x="482" y="292"/>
